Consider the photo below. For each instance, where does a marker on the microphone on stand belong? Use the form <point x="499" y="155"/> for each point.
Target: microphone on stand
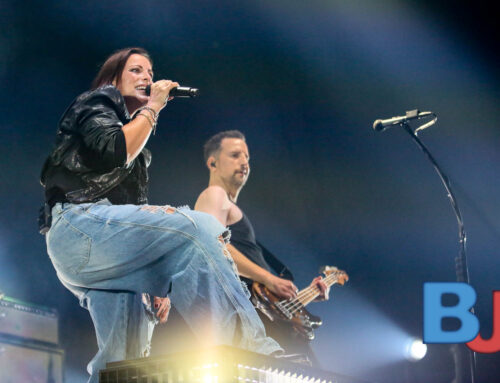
<point x="180" y="91"/>
<point x="381" y="125"/>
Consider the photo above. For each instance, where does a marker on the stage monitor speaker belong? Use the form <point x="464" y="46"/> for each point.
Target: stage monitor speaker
<point x="28" y="321"/>
<point x="29" y="363"/>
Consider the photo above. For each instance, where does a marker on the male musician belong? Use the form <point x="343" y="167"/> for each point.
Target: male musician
<point x="227" y="158"/>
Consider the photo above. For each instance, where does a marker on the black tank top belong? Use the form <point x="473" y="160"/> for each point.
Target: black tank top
<point x="243" y="238"/>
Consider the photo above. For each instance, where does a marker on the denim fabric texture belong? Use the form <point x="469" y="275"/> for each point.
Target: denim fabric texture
<point x="108" y="255"/>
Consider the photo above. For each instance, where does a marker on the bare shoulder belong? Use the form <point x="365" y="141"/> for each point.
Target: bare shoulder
<point x="214" y="196"/>
<point x="214" y="193"/>
<point x="215" y="190"/>
<point x="214" y="200"/>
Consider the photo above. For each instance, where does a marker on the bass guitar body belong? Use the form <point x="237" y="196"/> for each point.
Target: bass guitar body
<point x="302" y="321"/>
<point x="292" y="312"/>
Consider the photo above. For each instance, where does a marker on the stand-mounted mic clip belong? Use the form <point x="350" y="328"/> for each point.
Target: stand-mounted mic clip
<point x="381" y="125"/>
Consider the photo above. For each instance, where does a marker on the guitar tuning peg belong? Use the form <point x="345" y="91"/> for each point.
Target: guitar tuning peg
<point x="327" y="269"/>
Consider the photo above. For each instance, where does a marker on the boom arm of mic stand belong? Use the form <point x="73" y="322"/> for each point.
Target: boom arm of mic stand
<point x="461" y="269"/>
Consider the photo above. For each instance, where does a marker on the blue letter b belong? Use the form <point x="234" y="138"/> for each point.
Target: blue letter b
<point x="434" y="312"/>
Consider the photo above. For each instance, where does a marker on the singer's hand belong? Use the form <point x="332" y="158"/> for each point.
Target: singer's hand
<point x="162" y="308"/>
<point x="159" y="94"/>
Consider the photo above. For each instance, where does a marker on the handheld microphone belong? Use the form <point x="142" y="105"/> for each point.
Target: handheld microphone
<point x="381" y="125"/>
<point x="180" y="91"/>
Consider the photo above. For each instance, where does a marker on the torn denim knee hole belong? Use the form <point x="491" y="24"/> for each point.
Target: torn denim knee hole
<point x="223" y="240"/>
<point x="151" y="317"/>
<point x="226" y="236"/>
<point x="155" y="209"/>
<point x="245" y="289"/>
<point x="148" y="308"/>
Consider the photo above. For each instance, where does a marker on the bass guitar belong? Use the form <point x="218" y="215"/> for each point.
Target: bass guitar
<point x="292" y="311"/>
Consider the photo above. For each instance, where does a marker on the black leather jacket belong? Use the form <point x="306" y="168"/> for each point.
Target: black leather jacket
<point x="89" y="158"/>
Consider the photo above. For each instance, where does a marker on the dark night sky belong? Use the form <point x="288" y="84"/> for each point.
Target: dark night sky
<point x="304" y="81"/>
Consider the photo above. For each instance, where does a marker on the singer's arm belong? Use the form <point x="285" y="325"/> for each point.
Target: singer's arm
<point x="138" y="130"/>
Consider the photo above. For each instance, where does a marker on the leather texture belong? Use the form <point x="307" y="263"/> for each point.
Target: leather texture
<point x="90" y="145"/>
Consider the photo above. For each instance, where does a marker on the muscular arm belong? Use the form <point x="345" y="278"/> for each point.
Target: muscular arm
<point x="214" y="201"/>
<point x="246" y="268"/>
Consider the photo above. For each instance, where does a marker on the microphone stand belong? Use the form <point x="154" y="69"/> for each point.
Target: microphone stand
<point x="462" y="357"/>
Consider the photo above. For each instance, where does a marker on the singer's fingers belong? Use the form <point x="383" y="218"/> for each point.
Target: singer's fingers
<point x="164" y="87"/>
<point x="162" y="305"/>
<point x="164" y="84"/>
<point x="160" y="93"/>
<point x="172" y="84"/>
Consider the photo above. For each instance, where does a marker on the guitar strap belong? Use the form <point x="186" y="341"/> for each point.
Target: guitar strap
<point x="275" y="263"/>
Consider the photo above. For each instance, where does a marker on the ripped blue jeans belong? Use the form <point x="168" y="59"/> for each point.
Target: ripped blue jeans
<point x="109" y="255"/>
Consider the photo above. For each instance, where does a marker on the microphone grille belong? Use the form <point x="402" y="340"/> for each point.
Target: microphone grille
<point x="377" y="125"/>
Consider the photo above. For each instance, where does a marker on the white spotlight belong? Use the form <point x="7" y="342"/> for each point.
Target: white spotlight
<point x="415" y="349"/>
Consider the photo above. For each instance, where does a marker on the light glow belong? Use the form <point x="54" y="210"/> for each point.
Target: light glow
<point x="416" y="350"/>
